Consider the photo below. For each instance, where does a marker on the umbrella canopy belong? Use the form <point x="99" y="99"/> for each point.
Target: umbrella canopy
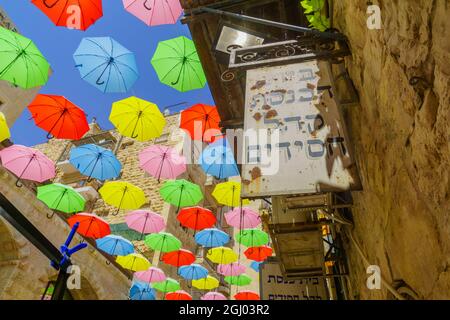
<point x="21" y="62"/>
<point x="122" y="195"/>
<point x="177" y="64"/>
<point x="163" y="241"/>
<point x="151" y="275"/>
<point x="252" y="237"/>
<point x="96" y="162"/>
<point x="133" y="262"/>
<point x="198" y="120"/>
<point x="72" y="14"/>
<point x="27" y="163"/>
<point x="240" y="280"/>
<point x="106" y="64"/>
<point x="258" y="253"/>
<point x="137" y="118"/>
<point x="196" y="218"/>
<point x="247" y="295"/>
<point x="59" y="117"/>
<point x="154" y="12"/>
<point x="90" y="225"/>
<point x="229" y="194"/>
<point x="4" y="129"/>
<point x="255" y="265"/>
<point x="212" y="237"/>
<point x="60" y="197"/>
<point x="162" y="162"/>
<point x="142" y="291"/>
<point x="218" y="160"/>
<point x="193" y="272"/>
<point x="207" y="283"/>
<point x="115" y="245"/>
<point x="178" y="295"/>
<point x="213" y="296"/>
<point x="243" y="218"/>
<point x="179" y="258"/>
<point x="231" y="269"/>
<point x="181" y="193"/>
<point x="168" y="285"/>
<point x="145" y="221"/>
<point x="222" y="255"/>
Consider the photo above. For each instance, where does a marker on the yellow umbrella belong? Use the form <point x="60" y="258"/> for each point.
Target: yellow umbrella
<point x="134" y="262"/>
<point x="137" y="119"/>
<point x="222" y="255"/>
<point x="207" y="283"/>
<point x="4" y="130"/>
<point x="229" y="194"/>
<point x="122" y="195"/>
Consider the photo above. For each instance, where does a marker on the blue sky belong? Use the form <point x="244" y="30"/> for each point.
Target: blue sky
<point x="58" y="45"/>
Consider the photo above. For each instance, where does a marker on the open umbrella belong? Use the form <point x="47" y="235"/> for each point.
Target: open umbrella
<point x="90" y="225"/>
<point x="27" y="163"/>
<point x="178" y="295"/>
<point x="196" y="218"/>
<point x="95" y="162"/>
<point x="222" y="255"/>
<point x="106" y="64"/>
<point x="4" y="129"/>
<point x="198" y="120"/>
<point x="59" y="117"/>
<point x="21" y="62"/>
<point x="115" y="245"/>
<point x="72" y="14"/>
<point x="154" y="12"/>
<point x="163" y="242"/>
<point x="218" y="160"/>
<point x="177" y="64"/>
<point x="252" y="237"/>
<point x="133" y="262"/>
<point x="122" y="195"/>
<point x="151" y="275"/>
<point x="240" y="280"/>
<point x="247" y="295"/>
<point x="206" y="283"/>
<point x="229" y="194"/>
<point x="137" y="118"/>
<point x="179" y="258"/>
<point x="61" y="197"/>
<point x="212" y="237"/>
<point x="255" y="265"/>
<point x="258" y="253"/>
<point x="181" y="193"/>
<point x="168" y="285"/>
<point x="193" y="272"/>
<point x="213" y="296"/>
<point x="145" y="221"/>
<point x="243" y="218"/>
<point x="162" y="162"/>
<point x="231" y="269"/>
<point x="142" y="291"/>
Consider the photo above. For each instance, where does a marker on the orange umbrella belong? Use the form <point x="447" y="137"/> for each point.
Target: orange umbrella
<point x="178" y="295"/>
<point x="90" y="226"/>
<point x="247" y="295"/>
<point x="200" y="121"/>
<point x="258" y="253"/>
<point x="196" y="218"/>
<point x="179" y="258"/>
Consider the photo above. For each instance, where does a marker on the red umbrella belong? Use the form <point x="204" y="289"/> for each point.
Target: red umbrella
<point x="179" y="258"/>
<point x="59" y="117"/>
<point x="73" y="14"/>
<point x="247" y="295"/>
<point x="178" y="295"/>
<point x="196" y="218"/>
<point x="258" y="253"/>
<point x="91" y="226"/>
<point x="199" y="121"/>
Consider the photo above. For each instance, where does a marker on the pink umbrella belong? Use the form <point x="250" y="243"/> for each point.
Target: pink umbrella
<point x="243" y="218"/>
<point x="213" y="296"/>
<point x="231" y="269"/>
<point x="145" y="221"/>
<point x="151" y="275"/>
<point x="155" y="12"/>
<point x="162" y="162"/>
<point x="27" y="163"/>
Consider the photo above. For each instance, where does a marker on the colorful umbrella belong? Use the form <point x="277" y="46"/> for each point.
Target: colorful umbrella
<point x="229" y="194"/>
<point x="218" y="160"/>
<point x="27" y="163"/>
<point x="207" y="283"/>
<point x="212" y="237"/>
<point x="90" y="225"/>
<point x="145" y="221"/>
<point x="243" y="218"/>
<point x="193" y="272"/>
<point x="4" y="129"/>
<point x="177" y="64"/>
<point x="122" y="195"/>
<point x="154" y="12"/>
<point x="137" y="119"/>
<point x="59" y="117"/>
<point x="247" y="295"/>
<point x="255" y="265"/>
<point x="181" y="193"/>
<point x="151" y="275"/>
<point x="196" y="218"/>
<point x="168" y="285"/>
<point x="163" y="241"/>
<point x="115" y="245"/>
<point x="213" y="296"/>
<point x="142" y="291"/>
<point x="60" y="197"/>
<point x="95" y="162"/>
<point x="258" y="253"/>
<point x="222" y="255"/>
<point x="240" y="280"/>
<point x="21" y="62"/>
<point x="252" y="237"/>
<point x="200" y="121"/>
<point x="106" y="64"/>
<point x="133" y="262"/>
<point x="231" y="269"/>
<point x="179" y="258"/>
<point x="72" y="14"/>
<point x="178" y="295"/>
<point x="162" y="162"/>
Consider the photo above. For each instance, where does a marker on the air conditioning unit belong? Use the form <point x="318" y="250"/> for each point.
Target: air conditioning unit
<point x="88" y="193"/>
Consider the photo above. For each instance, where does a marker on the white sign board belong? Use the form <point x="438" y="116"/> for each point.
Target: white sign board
<point x="294" y="138"/>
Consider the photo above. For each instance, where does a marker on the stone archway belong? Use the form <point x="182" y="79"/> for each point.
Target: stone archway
<point x="9" y="259"/>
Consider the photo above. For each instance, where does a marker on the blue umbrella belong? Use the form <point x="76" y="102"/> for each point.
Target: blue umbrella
<point x="94" y="161"/>
<point x="211" y="238"/>
<point x="255" y="265"/>
<point x="193" y="272"/>
<point x="142" y="291"/>
<point x="115" y="245"/>
<point x="218" y="160"/>
<point x="106" y="64"/>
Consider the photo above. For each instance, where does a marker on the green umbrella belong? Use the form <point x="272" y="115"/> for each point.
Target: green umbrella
<point x="168" y="285"/>
<point x="21" y="62"/>
<point x="240" y="280"/>
<point x="177" y="64"/>
<point x="163" y="241"/>
<point x="252" y="237"/>
<point x="60" y="197"/>
<point x="181" y="193"/>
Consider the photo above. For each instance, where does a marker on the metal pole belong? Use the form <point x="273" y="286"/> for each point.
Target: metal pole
<point x="60" y="285"/>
